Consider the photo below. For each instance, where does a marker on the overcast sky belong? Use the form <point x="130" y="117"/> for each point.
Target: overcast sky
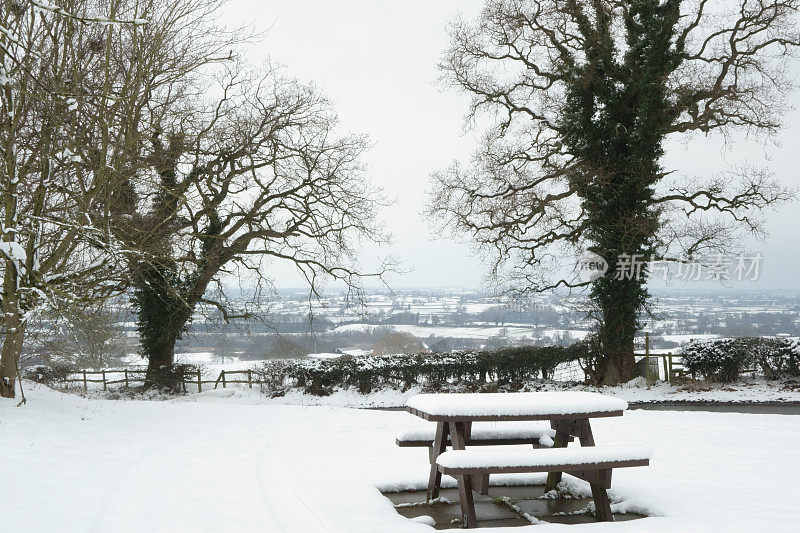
<point x="377" y="61"/>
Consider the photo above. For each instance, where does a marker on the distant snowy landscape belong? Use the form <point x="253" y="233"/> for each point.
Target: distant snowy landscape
<point x="224" y="461"/>
<point x="450" y="318"/>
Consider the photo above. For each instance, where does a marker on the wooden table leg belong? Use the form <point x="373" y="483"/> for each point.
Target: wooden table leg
<point x="439" y="446"/>
<point x="458" y="435"/>
<point x="482" y="484"/>
<point x="565" y="428"/>
<point x="584" y="432"/>
<point x="561" y="441"/>
<point x="458" y="438"/>
<point x="468" y="517"/>
<point x="479" y="483"/>
<point x="602" y="504"/>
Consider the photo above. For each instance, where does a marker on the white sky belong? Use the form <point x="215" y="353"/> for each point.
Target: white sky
<point x="377" y="61"/>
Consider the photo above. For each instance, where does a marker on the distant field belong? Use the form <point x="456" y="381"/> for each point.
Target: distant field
<point x="469" y="332"/>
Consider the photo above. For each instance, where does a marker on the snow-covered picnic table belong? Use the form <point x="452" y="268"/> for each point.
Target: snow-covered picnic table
<point x="454" y="414"/>
<point x="514" y="406"/>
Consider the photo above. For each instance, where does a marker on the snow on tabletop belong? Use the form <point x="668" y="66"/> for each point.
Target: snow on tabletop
<point x="502" y="430"/>
<point x="488" y="457"/>
<point x="515" y="404"/>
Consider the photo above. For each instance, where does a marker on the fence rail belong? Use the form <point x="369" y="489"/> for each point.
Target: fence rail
<point x="663" y="367"/>
<point x="134" y="376"/>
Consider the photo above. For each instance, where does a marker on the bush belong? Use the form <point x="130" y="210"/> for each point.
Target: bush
<point x="724" y="359"/>
<point x="170" y="378"/>
<point x="777" y="357"/>
<point x="508" y="368"/>
<point x="48" y="374"/>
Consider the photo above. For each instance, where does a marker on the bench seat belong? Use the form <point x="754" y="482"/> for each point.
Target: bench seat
<point x="484" y="435"/>
<point x="493" y="461"/>
<point x="590" y="463"/>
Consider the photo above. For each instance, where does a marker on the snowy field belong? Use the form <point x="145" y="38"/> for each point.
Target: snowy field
<point x="512" y="331"/>
<point x="217" y="462"/>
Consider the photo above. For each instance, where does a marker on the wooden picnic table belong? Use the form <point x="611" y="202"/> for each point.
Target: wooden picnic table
<point x="568" y="413"/>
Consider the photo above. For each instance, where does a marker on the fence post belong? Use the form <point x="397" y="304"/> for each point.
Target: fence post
<point x="105" y="387"/>
<point x="126" y="379"/>
<point x="647" y="358"/>
<point x="199" y="381"/>
<point x="670" y="375"/>
<point x="222" y="374"/>
<point x="85" y="386"/>
<point x="249" y="379"/>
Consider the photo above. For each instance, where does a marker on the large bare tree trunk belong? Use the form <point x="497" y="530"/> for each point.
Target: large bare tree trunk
<point x="14" y="331"/>
<point x="163" y="317"/>
<point x="161" y="359"/>
<point x="619" y="364"/>
<point x="10" y="319"/>
<point x="619" y="304"/>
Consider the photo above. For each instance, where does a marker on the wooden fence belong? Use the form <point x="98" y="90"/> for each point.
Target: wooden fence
<point x="664" y="367"/>
<point x="136" y="376"/>
<point x="657" y="367"/>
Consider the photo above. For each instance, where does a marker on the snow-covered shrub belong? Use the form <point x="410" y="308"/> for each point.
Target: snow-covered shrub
<point x="718" y="360"/>
<point x="724" y="359"/>
<point x="777" y="357"/>
<point x="172" y="377"/>
<point x="47" y="374"/>
<point x="508" y="368"/>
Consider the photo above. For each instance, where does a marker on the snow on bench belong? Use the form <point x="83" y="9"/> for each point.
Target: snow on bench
<point x="508" y="406"/>
<point x="590" y="463"/>
<point x="503" y="433"/>
<point x="546" y="460"/>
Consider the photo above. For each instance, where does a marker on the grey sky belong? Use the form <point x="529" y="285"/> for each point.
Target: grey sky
<point x="377" y="61"/>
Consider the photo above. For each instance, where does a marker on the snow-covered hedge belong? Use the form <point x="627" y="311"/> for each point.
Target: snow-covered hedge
<point x="724" y="359"/>
<point x="509" y="369"/>
<point x="47" y="374"/>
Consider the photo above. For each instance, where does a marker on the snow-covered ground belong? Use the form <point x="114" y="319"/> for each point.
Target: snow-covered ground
<point x="753" y="390"/>
<point x="223" y="461"/>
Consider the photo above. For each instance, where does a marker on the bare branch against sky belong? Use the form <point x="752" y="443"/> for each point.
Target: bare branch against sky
<point x="377" y="62"/>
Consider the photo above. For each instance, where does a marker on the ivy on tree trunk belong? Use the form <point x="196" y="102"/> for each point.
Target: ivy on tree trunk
<point x="583" y="95"/>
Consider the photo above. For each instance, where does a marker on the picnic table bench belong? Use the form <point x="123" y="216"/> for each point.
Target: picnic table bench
<point x="568" y="413"/>
<point x="481" y="434"/>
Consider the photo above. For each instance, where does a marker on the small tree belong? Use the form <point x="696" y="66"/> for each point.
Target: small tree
<point x="583" y="95"/>
<point x="398" y="342"/>
<point x="86" y="338"/>
<point x="285" y="348"/>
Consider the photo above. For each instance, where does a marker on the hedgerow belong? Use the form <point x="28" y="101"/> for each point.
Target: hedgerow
<point x="508" y="368"/>
<point x="724" y="359"/>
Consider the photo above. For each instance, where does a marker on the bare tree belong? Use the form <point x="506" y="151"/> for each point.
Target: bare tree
<point x="55" y="78"/>
<point x="89" y="337"/>
<point x="398" y="342"/>
<point x="254" y="177"/>
<point x="583" y="95"/>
